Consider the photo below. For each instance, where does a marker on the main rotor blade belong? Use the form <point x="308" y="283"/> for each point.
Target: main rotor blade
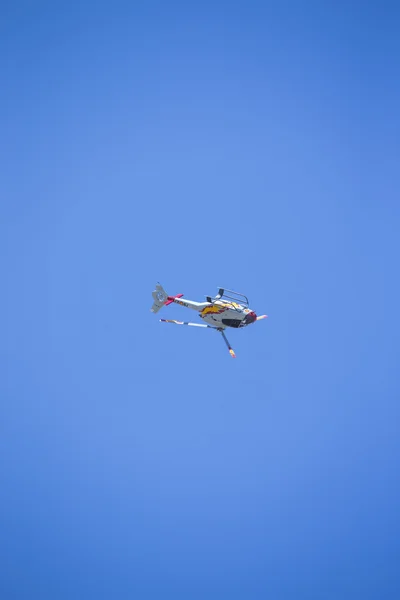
<point x="231" y="351"/>
<point x="262" y="317"/>
<point x="187" y="323"/>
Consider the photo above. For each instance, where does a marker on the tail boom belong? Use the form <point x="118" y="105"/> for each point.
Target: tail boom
<point x="172" y="298"/>
<point x="161" y="298"/>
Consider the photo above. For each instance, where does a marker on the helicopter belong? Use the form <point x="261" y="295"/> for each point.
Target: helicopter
<point x="226" y="309"/>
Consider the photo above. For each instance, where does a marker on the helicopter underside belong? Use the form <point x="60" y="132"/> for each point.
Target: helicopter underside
<point x="221" y="315"/>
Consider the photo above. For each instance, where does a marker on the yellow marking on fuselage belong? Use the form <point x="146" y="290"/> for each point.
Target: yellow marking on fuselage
<point x="220" y="307"/>
<point x="213" y="309"/>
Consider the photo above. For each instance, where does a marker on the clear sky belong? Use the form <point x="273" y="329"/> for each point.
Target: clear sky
<point x="251" y="145"/>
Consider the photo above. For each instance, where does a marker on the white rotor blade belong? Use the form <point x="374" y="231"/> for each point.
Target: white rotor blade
<point x="187" y="323"/>
<point x="231" y="351"/>
<point x="262" y="317"/>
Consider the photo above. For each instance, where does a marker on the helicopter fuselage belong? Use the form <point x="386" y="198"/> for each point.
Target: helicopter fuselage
<point x="221" y="314"/>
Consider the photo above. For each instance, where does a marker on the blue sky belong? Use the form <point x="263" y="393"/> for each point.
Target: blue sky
<point x="248" y="145"/>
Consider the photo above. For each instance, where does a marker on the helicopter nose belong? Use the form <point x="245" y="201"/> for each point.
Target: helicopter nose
<point x="251" y="317"/>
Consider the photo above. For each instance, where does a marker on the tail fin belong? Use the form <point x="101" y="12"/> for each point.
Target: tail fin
<point x="161" y="298"/>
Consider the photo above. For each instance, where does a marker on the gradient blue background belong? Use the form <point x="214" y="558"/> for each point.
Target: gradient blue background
<point x="253" y="145"/>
